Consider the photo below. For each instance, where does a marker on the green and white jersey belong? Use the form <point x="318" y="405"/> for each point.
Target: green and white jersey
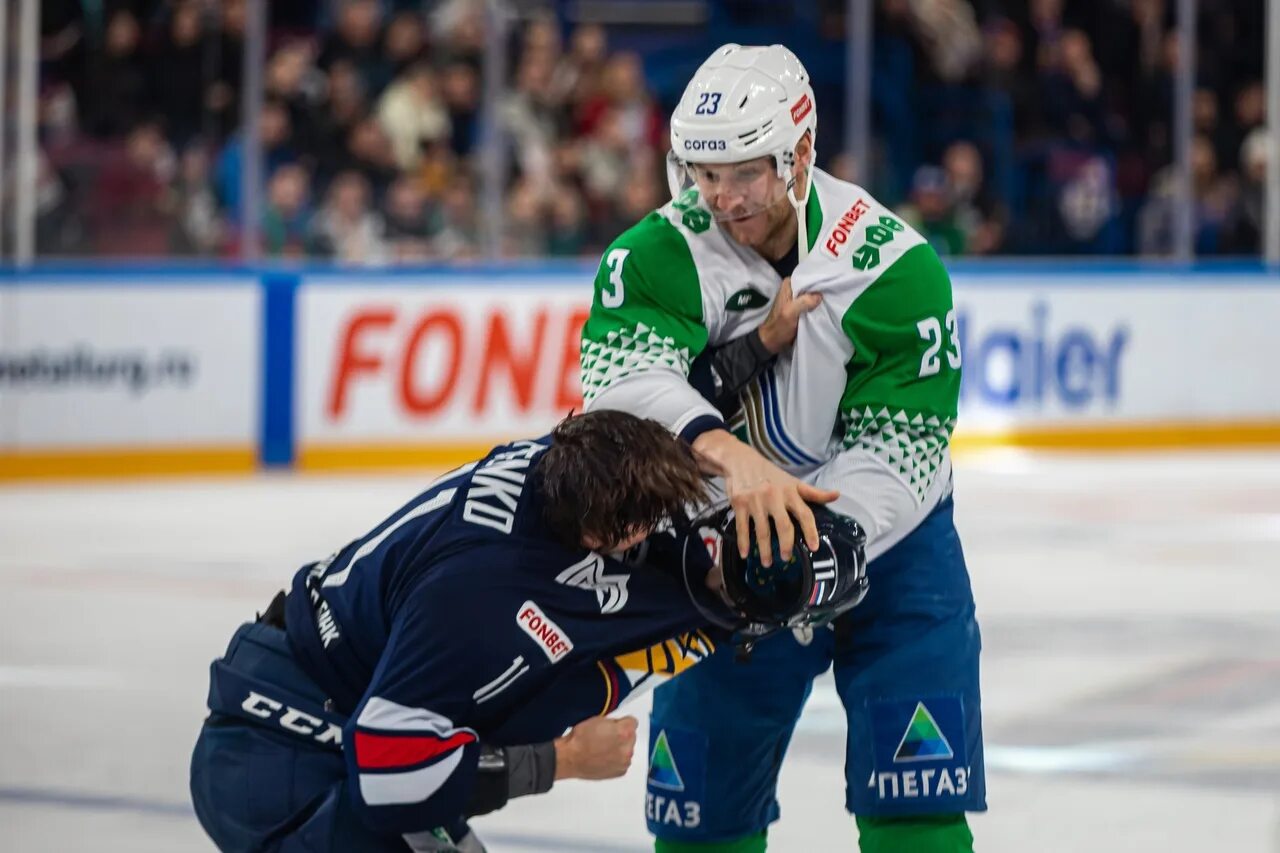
<point x="865" y="400"/>
<point x="668" y="288"/>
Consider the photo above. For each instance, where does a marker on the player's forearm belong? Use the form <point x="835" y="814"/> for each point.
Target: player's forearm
<point x="887" y="503"/>
<point x="664" y="396"/>
<point x="716" y="450"/>
<point x="505" y="773"/>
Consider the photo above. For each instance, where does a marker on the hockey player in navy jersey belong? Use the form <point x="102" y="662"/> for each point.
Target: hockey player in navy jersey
<point x="427" y="671"/>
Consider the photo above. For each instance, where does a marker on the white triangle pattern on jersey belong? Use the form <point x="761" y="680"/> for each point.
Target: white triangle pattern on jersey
<point x="913" y="445"/>
<point x="624" y="351"/>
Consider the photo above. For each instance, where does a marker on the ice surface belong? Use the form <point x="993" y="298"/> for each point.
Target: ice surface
<point x="1130" y="608"/>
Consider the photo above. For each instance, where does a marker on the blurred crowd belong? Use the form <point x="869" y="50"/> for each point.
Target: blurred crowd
<point x="1031" y="127"/>
<point x="1041" y="126"/>
<point x="370" y="129"/>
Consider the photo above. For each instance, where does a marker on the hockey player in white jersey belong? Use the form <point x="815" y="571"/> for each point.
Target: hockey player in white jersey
<point x="857" y="396"/>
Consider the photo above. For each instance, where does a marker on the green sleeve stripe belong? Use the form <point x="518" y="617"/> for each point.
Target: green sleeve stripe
<point x="813" y="213"/>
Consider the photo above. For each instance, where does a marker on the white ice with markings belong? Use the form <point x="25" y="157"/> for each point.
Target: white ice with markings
<point x="1130" y="608"/>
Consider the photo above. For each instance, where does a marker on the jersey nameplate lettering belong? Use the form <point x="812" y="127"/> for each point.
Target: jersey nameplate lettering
<point x="496" y="487"/>
<point x="555" y="644"/>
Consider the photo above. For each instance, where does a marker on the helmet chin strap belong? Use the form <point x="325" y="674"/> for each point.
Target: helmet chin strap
<point x="802" y="225"/>
<point x="675" y="175"/>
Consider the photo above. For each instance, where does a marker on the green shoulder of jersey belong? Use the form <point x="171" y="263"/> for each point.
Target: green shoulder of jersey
<point x="897" y="330"/>
<point x="647" y="306"/>
<point x="903" y="380"/>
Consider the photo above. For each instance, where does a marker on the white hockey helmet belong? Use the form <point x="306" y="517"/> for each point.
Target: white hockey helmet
<point x="744" y="103"/>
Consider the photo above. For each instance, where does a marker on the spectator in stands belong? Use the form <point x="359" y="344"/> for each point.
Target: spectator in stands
<point x="116" y="98"/>
<point x="405" y="42"/>
<point x="624" y="98"/>
<point x="1153" y="110"/>
<point x="641" y="193"/>
<point x="1242" y="233"/>
<point x="1045" y="27"/>
<point x="293" y="80"/>
<point x="980" y="215"/>
<point x="356" y="39"/>
<point x="222" y="99"/>
<point x="460" y="237"/>
<point x="1072" y="89"/>
<point x="344" y="105"/>
<point x="1205" y="121"/>
<point x="460" y="88"/>
<point x="541" y="36"/>
<point x="932" y="212"/>
<point x="129" y="212"/>
<point x="276" y="134"/>
<point x="346" y="229"/>
<point x="1249" y="108"/>
<point x="410" y="219"/>
<point x="436" y="168"/>
<point x="178" y="92"/>
<point x="532" y="117"/>
<point x="1085" y="206"/>
<point x="1213" y="203"/>
<point x="412" y="114"/>
<point x="56" y="113"/>
<point x="566" y="163"/>
<point x="197" y="227"/>
<point x="950" y="36"/>
<point x="568" y="235"/>
<point x="577" y="76"/>
<point x="525" y="227"/>
<point x="1074" y="115"/>
<point x="369" y="152"/>
<point x="458" y="26"/>
<point x="59" y="230"/>
<point x="1004" y="72"/>
<point x="608" y="159"/>
<point x="286" y="218"/>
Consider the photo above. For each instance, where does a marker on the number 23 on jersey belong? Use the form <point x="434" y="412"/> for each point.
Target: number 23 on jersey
<point x="930" y="330"/>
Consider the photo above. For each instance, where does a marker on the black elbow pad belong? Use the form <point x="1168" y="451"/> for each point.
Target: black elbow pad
<point x="490" y="791"/>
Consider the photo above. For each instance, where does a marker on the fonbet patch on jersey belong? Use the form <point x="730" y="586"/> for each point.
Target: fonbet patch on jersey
<point x="677" y="777"/>
<point x="554" y="643"/>
<point x="919" y="749"/>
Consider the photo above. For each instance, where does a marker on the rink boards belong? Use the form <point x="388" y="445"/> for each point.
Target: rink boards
<point x="162" y="370"/>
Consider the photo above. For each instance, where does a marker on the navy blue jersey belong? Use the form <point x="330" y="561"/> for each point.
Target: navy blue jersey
<point x="461" y="618"/>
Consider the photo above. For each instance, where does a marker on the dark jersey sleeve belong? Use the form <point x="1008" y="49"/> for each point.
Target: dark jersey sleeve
<point x="412" y="765"/>
<point x="721" y="373"/>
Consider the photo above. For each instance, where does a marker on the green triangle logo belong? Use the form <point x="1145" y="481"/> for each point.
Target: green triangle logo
<point x="923" y="740"/>
<point x="663" y="772"/>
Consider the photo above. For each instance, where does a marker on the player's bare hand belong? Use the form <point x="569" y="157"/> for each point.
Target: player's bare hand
<point x="760" y="492"/>
<point x="778" y="330"/>
<point x="596" y="748"/>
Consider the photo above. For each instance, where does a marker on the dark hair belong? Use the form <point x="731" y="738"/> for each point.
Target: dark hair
<point x="609" y="474"/>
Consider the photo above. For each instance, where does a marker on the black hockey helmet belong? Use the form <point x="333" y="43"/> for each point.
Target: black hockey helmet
<point x="810" y="589"/>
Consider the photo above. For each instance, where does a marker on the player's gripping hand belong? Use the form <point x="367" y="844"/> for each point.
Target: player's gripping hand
<point x="760" y="492"/>
<point x="596" y="748"/>
<point x="778" y="330"/>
